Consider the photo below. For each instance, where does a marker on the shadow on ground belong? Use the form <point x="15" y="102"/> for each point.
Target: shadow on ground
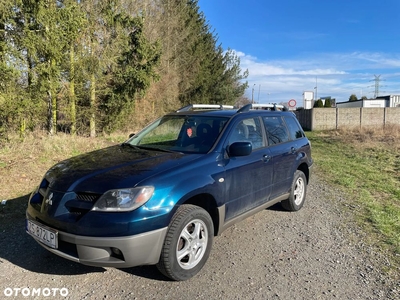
<point x="20" y="249"/>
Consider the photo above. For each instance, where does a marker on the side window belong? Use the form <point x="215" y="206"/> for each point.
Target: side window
<point x="295" y="131"/>
<point x="248" y="130"/>
<point x="240" y="133"/>
<point x="255" y="132"/>
<point x="276" y="130"/>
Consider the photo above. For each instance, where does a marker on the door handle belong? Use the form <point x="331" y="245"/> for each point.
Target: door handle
<point x="266" y="158"/>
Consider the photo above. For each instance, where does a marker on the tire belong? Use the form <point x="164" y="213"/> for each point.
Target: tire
<point x="187" y="244"/>
<point x="297" y="194"/>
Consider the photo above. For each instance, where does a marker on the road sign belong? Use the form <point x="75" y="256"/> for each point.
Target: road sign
<point x="292" y="103"/>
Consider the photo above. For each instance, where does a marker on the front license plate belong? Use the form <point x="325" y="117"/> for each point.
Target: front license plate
<point x="43" y="234"/>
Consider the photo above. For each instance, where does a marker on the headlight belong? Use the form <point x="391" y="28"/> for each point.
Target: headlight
<point x="124" y="199"/>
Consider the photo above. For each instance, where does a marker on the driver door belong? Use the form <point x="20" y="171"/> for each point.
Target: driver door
<point x="248" y="178"/>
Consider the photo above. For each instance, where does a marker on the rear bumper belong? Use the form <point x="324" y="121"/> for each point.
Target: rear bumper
<point x="118" y="252"/>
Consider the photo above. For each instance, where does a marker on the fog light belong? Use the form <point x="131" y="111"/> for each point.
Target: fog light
<point x="116" y="251"/>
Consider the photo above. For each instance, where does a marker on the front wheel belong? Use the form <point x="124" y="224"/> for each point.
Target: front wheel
<point x="297" y="193"/>
<point x="187" y="244"/>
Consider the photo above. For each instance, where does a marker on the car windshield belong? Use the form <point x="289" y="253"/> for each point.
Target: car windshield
<point x="187" y="134"/>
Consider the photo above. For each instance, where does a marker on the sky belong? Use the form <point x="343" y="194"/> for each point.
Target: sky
<point x="330" y="47"/>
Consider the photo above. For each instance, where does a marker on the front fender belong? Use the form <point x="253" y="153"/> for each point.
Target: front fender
<point x="186" y="188"/>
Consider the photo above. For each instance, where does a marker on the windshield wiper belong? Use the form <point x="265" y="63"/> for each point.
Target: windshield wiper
<point x="148" y="148"/>
<point x="129" y="145"/>
<point x="155" y="149"/>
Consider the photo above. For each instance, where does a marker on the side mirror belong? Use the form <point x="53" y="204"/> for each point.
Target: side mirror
<point x="240" y="149"/>
<point x="131" y="135"/>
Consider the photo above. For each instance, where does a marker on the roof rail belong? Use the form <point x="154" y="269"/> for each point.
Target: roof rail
<point x="262" y="106"/>
<point x="269" y="106"/>
<point x="204" y="106"/>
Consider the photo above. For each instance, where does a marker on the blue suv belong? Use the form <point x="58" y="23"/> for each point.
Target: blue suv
<point x="161" y="196"/>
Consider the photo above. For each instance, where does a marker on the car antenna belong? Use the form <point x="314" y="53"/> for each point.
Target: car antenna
<point x="245" y="108"/>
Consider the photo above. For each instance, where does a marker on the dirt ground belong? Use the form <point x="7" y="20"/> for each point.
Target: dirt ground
<point x="316" y="253"/>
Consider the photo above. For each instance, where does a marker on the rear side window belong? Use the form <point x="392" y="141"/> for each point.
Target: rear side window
<point x="276" y="130"/>
<point x="295" y="131"/>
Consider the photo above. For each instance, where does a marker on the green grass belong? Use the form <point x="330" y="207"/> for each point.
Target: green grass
<point x="367" y="168"/>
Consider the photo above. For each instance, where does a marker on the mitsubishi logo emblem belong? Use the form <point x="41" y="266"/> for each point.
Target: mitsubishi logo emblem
<point x="48" y="200"/>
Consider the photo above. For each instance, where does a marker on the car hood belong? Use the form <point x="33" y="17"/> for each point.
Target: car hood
<point x="119" y="166"/>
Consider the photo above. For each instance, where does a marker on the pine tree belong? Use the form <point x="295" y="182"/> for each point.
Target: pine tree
<point x="319" y="103"/>
<point x="328" y="102"/>
<point x="136" y="68"/>
<point x="42" y="42"/>
<point x="74" y="20"/>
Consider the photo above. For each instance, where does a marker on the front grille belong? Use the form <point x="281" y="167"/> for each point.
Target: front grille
<point x="44" y="184"/>
<point x="37" y="199"/>
<point x="87" y="197"/>
<point x="82" y="204"/>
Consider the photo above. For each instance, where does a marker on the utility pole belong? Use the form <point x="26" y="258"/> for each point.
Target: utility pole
<point x="252" y="94"/>
<point x="316" y="88"/>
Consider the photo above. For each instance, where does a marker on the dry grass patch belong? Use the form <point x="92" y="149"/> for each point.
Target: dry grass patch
<point x="389" y="135"/>
<point x="23" y="163"/>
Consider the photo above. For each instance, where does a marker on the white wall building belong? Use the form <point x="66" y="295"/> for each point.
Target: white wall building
<point x="394" y="100"/>
<point x="308" y="99"/>
<point x="382" y="101"/>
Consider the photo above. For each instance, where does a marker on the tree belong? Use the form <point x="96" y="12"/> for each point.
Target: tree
<point x="74" y="20"/>
<point x="22" y="62"/>
<point x="101" y="43"/>
<point x="41" y="36"/>
<point x="100" y="65"/>
<point x="134" y="71"/>
<point x="232" y="85"/>
<point x="8" y="74"/>
<point x="328" y="102"/>
<point x="319" y="103"/>
<point x="47" y="43"/>
<point x="211" y="75"/>
<point x="353" y="97"/>
<point x="198" y="58"/>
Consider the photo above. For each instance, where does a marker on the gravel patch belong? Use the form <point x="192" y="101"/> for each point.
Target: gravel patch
<point x="318" y="252"/>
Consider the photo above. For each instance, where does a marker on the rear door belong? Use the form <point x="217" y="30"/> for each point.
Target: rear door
<point x="283" y="154"/>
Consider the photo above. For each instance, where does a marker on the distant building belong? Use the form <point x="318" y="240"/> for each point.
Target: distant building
<point x="332" y="100"/>
<point x="308" y="99"/>
<point x="380" y="101"/>
<point x="391" y="100"/>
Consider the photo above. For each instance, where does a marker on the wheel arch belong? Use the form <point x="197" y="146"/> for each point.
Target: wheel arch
<point x="209" y="204"/>
<point x="304" y="168"/>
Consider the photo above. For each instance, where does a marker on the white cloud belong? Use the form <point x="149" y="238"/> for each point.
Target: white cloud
<point x="335" y="74"/>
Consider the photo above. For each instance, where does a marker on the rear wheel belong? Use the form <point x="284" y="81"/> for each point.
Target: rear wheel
<point x="297" y="193"/>
<point x="187" y="244"/>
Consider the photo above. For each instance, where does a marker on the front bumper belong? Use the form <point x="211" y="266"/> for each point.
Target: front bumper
<point x="118" y="252"/>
